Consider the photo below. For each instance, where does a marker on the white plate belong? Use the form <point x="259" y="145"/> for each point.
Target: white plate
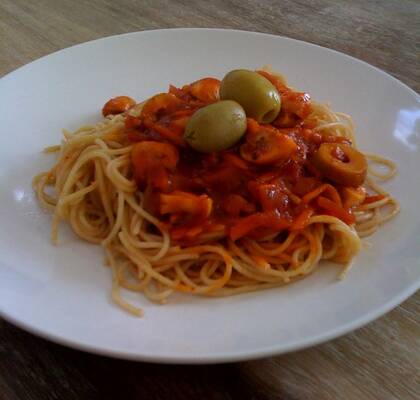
<point x="62" y="293"/>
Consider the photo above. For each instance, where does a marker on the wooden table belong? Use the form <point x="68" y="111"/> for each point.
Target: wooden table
<point x="379" y="361"/>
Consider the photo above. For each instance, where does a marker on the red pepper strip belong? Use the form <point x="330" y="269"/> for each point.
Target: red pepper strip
<point x="235" y="161"/>
<point x="336" y="210"/>
<point x="302" y="220"/>
<point x="164" y="132"/>
<point x="134" y="136"/>
<point x="372" y="199"/>
<point x="331" y="190"/>
<point x="235" y="204"/>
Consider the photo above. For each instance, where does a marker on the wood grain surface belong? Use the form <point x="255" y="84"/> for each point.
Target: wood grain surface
<point x="379" y="361"/>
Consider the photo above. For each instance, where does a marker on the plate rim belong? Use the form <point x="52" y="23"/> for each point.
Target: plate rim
<point x="221" y="357"/>
<point x="152" y="30"/>
<point x="218" y="357"/>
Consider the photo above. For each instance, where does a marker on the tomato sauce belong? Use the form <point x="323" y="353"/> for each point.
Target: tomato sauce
<point x="254" y="189"/>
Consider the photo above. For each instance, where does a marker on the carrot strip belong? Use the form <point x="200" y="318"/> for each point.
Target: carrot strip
<point x="184" y="288"/>
<point x="245" y="225"/>
<point x="260" y="261"/>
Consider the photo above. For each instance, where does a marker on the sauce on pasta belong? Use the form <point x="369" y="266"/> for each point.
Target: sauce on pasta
<point x="206" y="190"/>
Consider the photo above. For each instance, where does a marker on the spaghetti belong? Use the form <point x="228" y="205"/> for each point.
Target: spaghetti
<point x="274" y="229"/>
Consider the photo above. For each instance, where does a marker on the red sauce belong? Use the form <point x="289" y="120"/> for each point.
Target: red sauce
<point x="253" y="189"/>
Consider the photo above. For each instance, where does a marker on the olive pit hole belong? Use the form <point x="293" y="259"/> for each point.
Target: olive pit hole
<point x="340" y="155"/>
<point x="269" y="116"/>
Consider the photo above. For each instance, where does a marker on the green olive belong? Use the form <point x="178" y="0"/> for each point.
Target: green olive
<point x="216" y="127"/>
<point x="349" y="170"/>
<point x="256" y="94"/>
